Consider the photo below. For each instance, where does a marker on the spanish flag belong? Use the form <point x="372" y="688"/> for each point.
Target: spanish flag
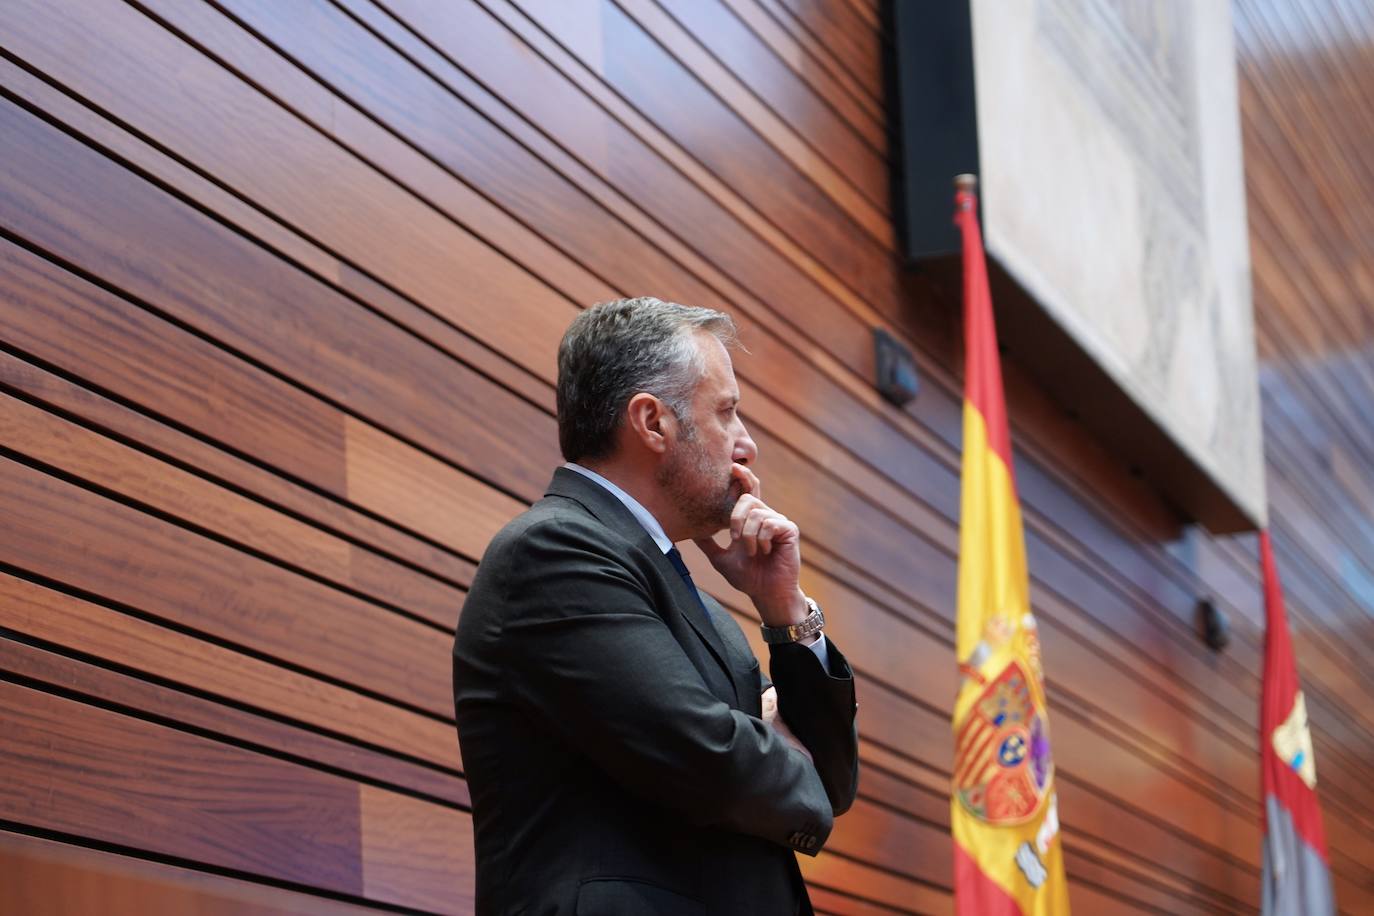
<point x="1003" y="815"/>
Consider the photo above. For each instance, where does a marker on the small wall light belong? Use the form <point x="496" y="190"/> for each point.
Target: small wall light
<point x="896" y="368"/>
<point x="1216" y="629"/>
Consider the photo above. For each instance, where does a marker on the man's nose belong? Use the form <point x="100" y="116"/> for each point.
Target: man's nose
<point x="746" y="449"/>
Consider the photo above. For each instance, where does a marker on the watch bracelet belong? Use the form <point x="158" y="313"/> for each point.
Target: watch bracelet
<point x="813" y="623"/>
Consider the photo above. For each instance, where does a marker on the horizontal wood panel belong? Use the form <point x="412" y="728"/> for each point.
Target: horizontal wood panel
<point x="43" y="876"/>
<point x="48" y="668"/>
<point x="80" y="770"/>
<point x="852" y="40"/>
<point x="818" y="48"/>
<point x="85" y="628"/>
<point x="858" y="110"/>
<point x="167" y="490"/>
<point x="848" y="147"/>
<point x="271" y="299"/>
<point x="88" y="542"/>
<point x="862" y="196"/>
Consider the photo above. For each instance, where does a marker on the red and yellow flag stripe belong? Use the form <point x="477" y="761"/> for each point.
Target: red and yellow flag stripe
<point x="1004" y="816"/>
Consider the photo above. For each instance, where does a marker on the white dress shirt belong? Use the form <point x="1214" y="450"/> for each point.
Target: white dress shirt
<point x="655" y="530"/>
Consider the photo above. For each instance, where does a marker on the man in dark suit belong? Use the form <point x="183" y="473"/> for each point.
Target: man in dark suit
<point x="619" y="741"/>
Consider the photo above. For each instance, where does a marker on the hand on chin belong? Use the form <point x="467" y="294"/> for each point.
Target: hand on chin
<point x="763" y="559"/>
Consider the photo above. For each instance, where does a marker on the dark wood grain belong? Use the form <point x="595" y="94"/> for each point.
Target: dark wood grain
<point x="807" y="72"/>
<point x="43" y="876"/>
<point x="89" y="630"/>
<point x="167" y="490"/>
<point x="817" y="46"/>
<point x="67" y="534"/>
<point x="77" y="769"/>
<point x="146" y="432"/>
<point x="272" y="301"/>
<point x="732" y="42"/>
<point x="849" y="37"/>
<point x="49" y="669"/>
<point x="851" y="175"/>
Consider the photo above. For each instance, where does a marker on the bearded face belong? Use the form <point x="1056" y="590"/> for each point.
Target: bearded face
<point x="700" y="483"/>
<point x="695" y="471"/>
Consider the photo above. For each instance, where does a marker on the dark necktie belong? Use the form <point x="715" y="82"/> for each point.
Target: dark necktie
<point x="675" y="557"/>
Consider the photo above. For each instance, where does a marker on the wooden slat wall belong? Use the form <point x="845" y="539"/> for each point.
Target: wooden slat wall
<point x="280" y="287"/>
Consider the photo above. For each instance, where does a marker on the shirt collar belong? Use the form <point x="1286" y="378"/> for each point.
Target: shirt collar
<point x="641" y="514"/>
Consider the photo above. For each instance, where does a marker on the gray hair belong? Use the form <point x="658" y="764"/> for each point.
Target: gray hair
<point x="615" y="350"/>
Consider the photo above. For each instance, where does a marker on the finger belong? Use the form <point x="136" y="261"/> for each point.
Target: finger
<point x="771" y="532"/>
<point x="765" y="536"/>
<point x="784" y="529"/>
<point x="753" y="524"/>
<point x="749" y="481"/>
<point x="737" y="515"/>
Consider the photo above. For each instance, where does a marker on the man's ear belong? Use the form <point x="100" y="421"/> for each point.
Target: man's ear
<point x="650" y="422"/>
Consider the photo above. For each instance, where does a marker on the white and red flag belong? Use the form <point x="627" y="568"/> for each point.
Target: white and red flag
<point x="1297" y="875"/>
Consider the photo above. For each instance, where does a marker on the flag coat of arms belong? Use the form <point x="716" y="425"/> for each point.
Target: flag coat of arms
<point x="1003" y="811"/>
<point x="1297" y="875"/>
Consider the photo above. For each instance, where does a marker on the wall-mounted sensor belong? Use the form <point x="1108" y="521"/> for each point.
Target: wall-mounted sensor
<point x="896" y="367"/>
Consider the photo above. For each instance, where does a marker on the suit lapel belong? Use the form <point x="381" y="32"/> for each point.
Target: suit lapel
<point x="611" y="512"/>
<point x="694" y="610"/>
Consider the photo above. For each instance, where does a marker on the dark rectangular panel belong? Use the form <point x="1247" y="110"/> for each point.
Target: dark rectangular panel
<point x="936" y="118"/>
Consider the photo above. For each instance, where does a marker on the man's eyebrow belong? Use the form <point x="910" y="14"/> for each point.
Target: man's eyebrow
<point x="729" y="401"/>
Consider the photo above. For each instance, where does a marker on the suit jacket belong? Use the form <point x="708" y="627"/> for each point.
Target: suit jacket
<point x="611" y="737"/>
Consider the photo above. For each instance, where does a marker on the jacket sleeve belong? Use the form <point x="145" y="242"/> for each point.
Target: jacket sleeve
<point x="592" y="659"/>
<point x="818" y="706"/>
